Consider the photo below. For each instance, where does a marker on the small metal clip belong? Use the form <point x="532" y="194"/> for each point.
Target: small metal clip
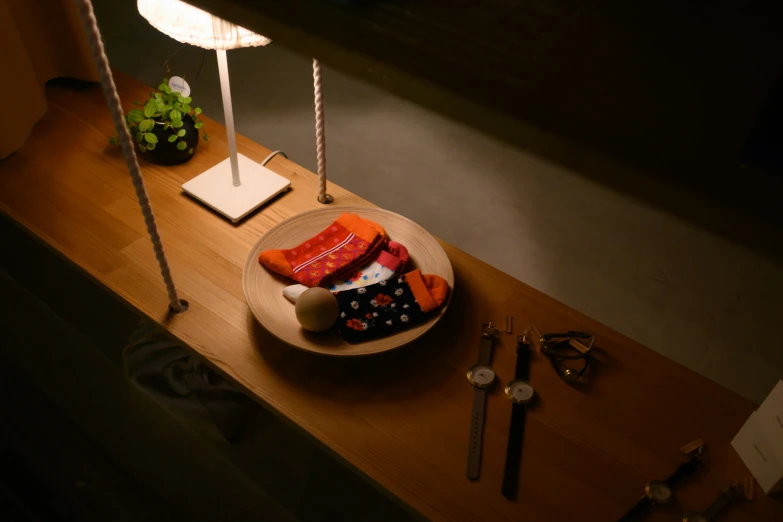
<point x="488" y="330"/>
<point x="748" y="487"/>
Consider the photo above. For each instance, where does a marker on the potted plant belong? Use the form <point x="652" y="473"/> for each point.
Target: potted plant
<point x="165" y="128"/>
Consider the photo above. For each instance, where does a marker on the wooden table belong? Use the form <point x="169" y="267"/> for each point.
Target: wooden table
<point x="400" y="418"/>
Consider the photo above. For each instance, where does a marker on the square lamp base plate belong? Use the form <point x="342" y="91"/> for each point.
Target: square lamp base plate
<point x="215" y="188"/>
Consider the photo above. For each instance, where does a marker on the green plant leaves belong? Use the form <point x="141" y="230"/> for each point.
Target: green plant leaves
<point x="135" y="116"/>
<point x="167" y="105"/>
<point x="150" y="108"/>
<point x="147" y="125"/>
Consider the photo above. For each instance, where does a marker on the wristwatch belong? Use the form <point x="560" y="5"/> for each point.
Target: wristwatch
<point x="732" y="494"/>
<point x="521" y="393"/>
<point x="481" y="376"/>
<point x="660" y="491"/>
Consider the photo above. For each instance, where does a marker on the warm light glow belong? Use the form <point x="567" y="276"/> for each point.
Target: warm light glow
<point x="191" y="25"/>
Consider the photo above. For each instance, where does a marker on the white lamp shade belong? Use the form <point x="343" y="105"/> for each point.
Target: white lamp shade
<point x="188" y="24"/>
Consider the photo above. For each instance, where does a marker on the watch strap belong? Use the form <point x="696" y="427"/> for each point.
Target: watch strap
<point x="514" y="451"/>
<point x="476" y="432"/>
<point x="636" y="512"/>
<point x="685" y="470"/>
<point x="716" y="507"/>
<point x="522" y="370"/>
<point x="485" y="350"/>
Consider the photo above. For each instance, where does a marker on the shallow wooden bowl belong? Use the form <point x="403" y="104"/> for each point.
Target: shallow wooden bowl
<point x="264" y="289"/>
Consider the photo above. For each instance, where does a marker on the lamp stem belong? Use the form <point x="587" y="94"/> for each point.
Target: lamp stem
<point x="225" y="90"/>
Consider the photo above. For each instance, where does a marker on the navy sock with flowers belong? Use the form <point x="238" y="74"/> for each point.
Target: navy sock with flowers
<point x="388" y="306"/>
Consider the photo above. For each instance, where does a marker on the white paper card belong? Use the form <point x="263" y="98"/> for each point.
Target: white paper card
<point x="769" y="418"/>
<point x="773" y="404"/>
<point x="758" y="455"/>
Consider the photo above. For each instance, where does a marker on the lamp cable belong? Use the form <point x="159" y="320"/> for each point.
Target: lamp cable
<point x="272" y="155"/>
<point x="113" y="100"/>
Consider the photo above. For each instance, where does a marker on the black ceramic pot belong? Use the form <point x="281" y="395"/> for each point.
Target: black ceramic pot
<point x="166" y="153"/>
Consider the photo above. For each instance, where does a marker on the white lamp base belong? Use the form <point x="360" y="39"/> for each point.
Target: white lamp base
<point x="215" y="189"/>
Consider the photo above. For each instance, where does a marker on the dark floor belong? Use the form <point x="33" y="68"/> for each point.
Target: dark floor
<point x="80" y="442"/>
<point x="52" y="471"/>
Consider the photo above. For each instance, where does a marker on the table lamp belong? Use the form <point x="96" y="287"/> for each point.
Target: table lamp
<point x="238" y="185"/>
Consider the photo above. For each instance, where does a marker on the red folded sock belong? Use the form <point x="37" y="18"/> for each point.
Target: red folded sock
<point x="339" y="249"/>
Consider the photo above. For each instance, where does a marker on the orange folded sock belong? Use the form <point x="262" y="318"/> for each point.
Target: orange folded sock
<point x="340" y="248"/>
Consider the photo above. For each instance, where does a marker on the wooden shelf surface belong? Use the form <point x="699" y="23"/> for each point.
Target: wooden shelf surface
<point x="400" y="418"/>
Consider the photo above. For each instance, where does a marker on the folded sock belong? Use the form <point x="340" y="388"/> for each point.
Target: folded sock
<point x="389" y="306"/>
<point x="390" y="262"/>
<point x="338" y="249"/>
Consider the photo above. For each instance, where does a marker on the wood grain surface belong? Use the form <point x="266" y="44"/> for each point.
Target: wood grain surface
<point x="264" y="289"/>
<point x="400" y="418"/>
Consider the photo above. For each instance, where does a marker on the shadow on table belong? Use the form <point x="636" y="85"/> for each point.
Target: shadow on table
<point x="393" y="374"/>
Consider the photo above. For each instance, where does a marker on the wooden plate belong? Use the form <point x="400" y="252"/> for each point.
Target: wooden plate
<point x="264" y="289"/>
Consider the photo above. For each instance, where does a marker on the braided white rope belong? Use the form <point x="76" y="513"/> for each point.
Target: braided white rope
<point x="320" y="142"/>
<point x="113" y="100"/>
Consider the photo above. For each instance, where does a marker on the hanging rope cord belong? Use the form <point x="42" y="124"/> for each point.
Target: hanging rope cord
<point x="320" y="141"/>
<point x="113" y="100"/>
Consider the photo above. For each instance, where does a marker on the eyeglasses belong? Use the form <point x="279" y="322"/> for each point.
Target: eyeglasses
<point x="569" y="353"/>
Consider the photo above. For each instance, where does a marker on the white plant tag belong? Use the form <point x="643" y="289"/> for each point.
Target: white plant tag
<point x="178" y="84"/>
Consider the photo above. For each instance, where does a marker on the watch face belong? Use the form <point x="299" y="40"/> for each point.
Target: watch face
<point x="658" y="491"/>
<point x="520" y="391"/>
<point x="481" y="376"/>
